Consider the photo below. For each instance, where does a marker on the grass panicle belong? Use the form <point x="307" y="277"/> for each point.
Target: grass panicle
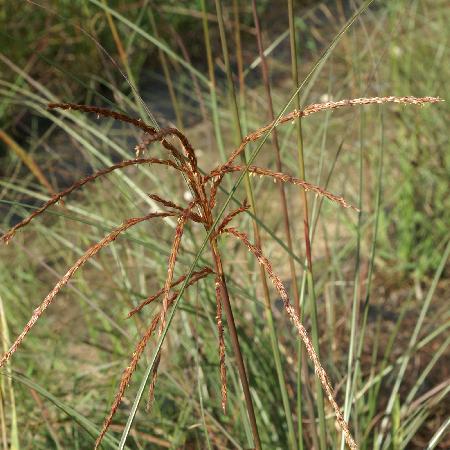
<point x="203" y="201"/>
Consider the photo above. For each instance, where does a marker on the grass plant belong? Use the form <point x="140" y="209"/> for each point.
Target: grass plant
<point x="240" y="381"/>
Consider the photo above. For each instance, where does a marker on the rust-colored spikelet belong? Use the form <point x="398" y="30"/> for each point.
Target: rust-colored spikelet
<point x="164" y="133"/>
<point x="168" y="204"/>
<point x="171" y="265"/>
<point x="215" y="186"/>
<point x="126" y="376"/>
<point x="196" y="276"/>
<point x="151" y="389"/>
<point x="320" y="371"/>
<point x="222" y="365"/>
<point x="285" y="178"/>
<point x="92" y="251"/>
<point x="138" y="123"/>
<point x="57" y="197"/>
<point x="245" y="206"/>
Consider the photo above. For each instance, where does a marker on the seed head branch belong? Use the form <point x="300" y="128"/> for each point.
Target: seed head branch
<point x="294" y="317"/>
<point x="216" y="181"/>
<point x="318" y="107"/>
<point x="168" y="204"/>
<point x="126" y="376"/>
<point x="129" y="370"/>
<point x="138" y="123"/>
<point x="57" y="197"/>
<point x="196" y="276"/>
<point x="151" y="388"/>
<point x="171" y="265"/>
<point x="164" y="133"/>
<point x="284" y="178"/>
<point x="232" y="215"/>
<point x="92" y="251"/>
<point x="222" y="365"/>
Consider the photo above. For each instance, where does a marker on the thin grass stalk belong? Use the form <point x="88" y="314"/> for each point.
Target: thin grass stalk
<point x="284" y="207"/>
<point x="425" y="372"/>
<point x="304" y="362"/>
<point x="356" y="281"/>
<point x="438" y="436"/>
<point x="250" y="197"/>
<point x="225" y="300"/>
<point x="293" y="316"/>
<point x="265" y="73"/>
<point x="365" y="310"/>
<point x="197" y="91"/>
<point x="167" y="75"/>
<point x="240" y="65"/>
<point x="304" y="200"/>
<point x="212" y="79"/>
<point x="124" y="59"/>
<point x="373" y="393"/>
<point x="7" y="386"/>
<point x="412" y="342"/>
<point x="200" y="384"/>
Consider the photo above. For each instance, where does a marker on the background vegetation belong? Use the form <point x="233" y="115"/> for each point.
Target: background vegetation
<point x="381" y="278"/>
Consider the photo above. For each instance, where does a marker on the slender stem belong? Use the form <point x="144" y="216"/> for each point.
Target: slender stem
<point x="350" y="388"/>
<point x="235" y="342"/>
<point x="304" y="199"/>
<point x="124" y="59"/>
<point x="276" y="351"/>
<point x="212" y="79"/>
<point x="240" y="66"/>
<point x="251" y="200"/>
<point x="248" y="186"/>
<point x="167" y="75"/>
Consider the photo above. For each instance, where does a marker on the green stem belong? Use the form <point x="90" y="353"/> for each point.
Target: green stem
<point x="309" y="274"/>
<point x="167" y="75"/>
<point x="212" y="79"/>
<point x="275" y="348"/>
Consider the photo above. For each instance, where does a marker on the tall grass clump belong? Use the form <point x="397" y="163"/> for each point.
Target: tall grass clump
<point x="189" y="265"/>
